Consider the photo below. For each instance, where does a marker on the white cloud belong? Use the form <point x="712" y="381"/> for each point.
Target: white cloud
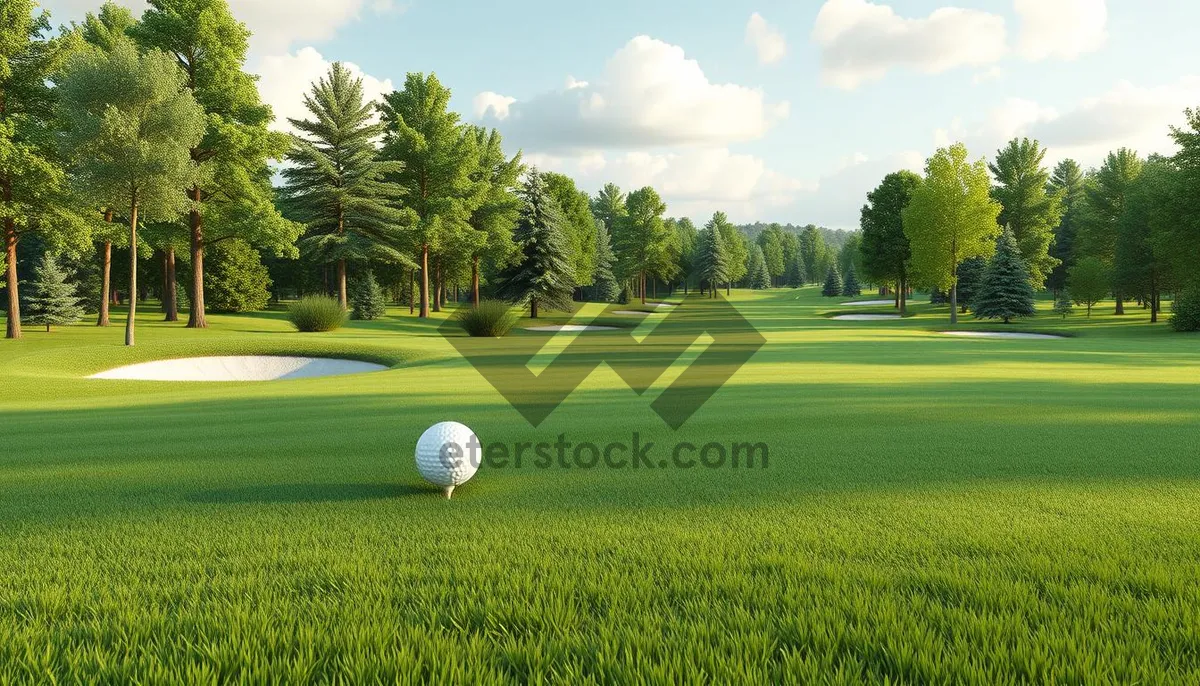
<point x="287" y="78"/>
<point x="861" y="41"/>
<point x="766" y="40"/>
<point x="491" y="104"/>
<point x="648" y="95"/>
<point x="839" y="195"/>
<point x="276" y="25"/>
<point x="992" y="74"/>
<point x="1064" y="29"/>
<point x="694" y="183"/>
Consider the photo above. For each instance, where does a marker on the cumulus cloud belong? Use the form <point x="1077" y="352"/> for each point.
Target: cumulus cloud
<point x="838" y="196"/>
<point x="1064" y="29"/>
<point x="648" y="95"/>
<point x="694" y="182"/>
<point x="491" y="104"/>
<point x="767" y="41"/>
<point x="276" y="25"/>
<point x="861" y="41"/>
<point x="287" y="78"/>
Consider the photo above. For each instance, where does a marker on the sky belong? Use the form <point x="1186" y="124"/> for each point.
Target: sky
<point x="771" y="110"/>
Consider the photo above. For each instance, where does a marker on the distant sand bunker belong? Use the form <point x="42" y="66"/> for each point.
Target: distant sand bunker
<point x="865" y="317"/>
<point x="1000" y="334"/>
<point x="864" y="303"/>
<point x="239" y="368"/>
<point x="571" y="327"/>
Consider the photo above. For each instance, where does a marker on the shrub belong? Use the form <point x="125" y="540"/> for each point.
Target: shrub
<point x="1186" y="311"/>
<point x="235" y="279"/>
<point x="316" y="313"/>
<point x="367" y="300"/>
<point x="490" y="319"/>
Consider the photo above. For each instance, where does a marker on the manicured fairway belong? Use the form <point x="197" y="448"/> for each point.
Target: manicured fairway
<point x="936" y="510"/>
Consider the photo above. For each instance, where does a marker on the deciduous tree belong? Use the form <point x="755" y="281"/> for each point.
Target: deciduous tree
<point x="885" y="248"/>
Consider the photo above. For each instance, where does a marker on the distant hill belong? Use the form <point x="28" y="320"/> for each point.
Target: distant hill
<point x="834" y="238"/>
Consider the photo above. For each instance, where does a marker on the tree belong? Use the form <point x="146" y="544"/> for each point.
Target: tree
<point x="970" y="278"/>
<point x="1028" y="207"/>
<point x="1089" y="282"/>
<point x="814" y="252"/>
<point x="686" y="238"/>
<point x="833" y="284"/>
<point x="795" y="277"/>
<point x="53" y="301"/>
<point x="643" y="236"/>
<point x="771" y="241"/>
<point x="366" y="298"/>
<point x="1062" y="305"/>
<point x="885" y="248"/>
<point x="1184" y="237"/>
<point x="950" y="218"/>
<point x="849" y="256"/>
<point x="1005" y="292"/>
<point x="1069" y="183"/>
<point x="234" y="198"/>
<point x="132" y="122"/>
<point x="712" y="260"/>
<point x="851" y="288"/>
<point x="438" y="162"/>
<point x="609" y="207"/>
<point x="237" y="280"/>
<point x="578" y="223"/>
<point x="1142" y="264"/>
<point x="33" y="186"/>
<point x="736" y="250"/>
<point x="757" y="276"/>
<point x="335" y="185"/>
<point x="1097" y="235"/>
<point x="604" y="284"/>
<point x="493" y="218"/>
<point x="542" y="275"/>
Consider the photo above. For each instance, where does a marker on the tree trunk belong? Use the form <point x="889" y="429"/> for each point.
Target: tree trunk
<point x="196" y="315"/>
<point x="1120" y="304"/>
<point x="105" y="280"/>
<point x="343" y="300"/>
<point x="170" y="292"/>
<point x="475" y="282"/>
<point x="437" y="286"/>
<point x="424" y="280"/>
<point x="533" y="313"/>
<point x="954" y="302"/>
<point x="14" y="299"/>
<point x="903" y="294"/>
<point x="654" y="288"/>
<point x="412" y="291"/>
<point x="129" y="323"/>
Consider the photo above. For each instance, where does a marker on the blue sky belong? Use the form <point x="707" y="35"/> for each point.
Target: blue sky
<point x="771" y="110"/>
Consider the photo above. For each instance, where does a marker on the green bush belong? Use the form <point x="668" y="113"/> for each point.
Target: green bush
<point x="1186" y="311"/>
<point x="367" y="300"/>
<point x="316" y="313"/>
<point x="235" y="279"/>
<point x="491" y="319"/>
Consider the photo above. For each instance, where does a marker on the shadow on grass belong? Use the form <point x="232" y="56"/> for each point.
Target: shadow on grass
<point x="305" y="493"/>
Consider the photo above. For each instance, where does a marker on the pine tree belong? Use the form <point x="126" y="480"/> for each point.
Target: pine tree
<point x="1005" y="292"/>
<point x="542" y="275"/>
<point x="796" y="278"/>
<point x="757" y="275"/>
<point x="851" y="288"/>
<point x="53" y="300"/>
<point x="711" y="258"/>
<point x="833" y="284"/>
<point x="1063" y="305"/>
<point x="970" y="276"/>
<point x="336" y="186"/>
<point x="367" y="298"/>
<point x="604" y="284"/>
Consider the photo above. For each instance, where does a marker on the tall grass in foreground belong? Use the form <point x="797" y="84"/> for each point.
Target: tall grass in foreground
<point x="316" y="313"/>
<point x="490" y="319"/>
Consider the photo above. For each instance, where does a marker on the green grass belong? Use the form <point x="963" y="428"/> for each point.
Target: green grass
<point x="936" y="510"/>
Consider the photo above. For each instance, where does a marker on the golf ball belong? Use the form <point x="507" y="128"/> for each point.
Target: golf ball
<point x="448" y="454"/>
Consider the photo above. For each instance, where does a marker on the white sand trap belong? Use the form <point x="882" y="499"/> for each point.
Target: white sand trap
<point x="661" y="305"/>
<point x="866" y="317"/>
<point x="871" y="303"/>
<point x="1000" y="334"/>
<point x="630" y="312"/>
<point x="571" y="327"/>
<point x="239" y="368"/>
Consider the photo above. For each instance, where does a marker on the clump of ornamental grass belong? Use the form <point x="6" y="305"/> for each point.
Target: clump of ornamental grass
<point x="316" y="313"/>
<point x="490" y="319"/>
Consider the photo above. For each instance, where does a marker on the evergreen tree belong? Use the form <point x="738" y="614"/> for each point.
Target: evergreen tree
<point x="771" y="241"/>
<point x="686" y="237"/>
<point x="1062" y="306"/>
<point x="1106" y="200"/>
<point x="970" y="276"/>
<point x="833" y="284"/>
<point x="795" y="277"/>
<point x="851" y="288"/>
<point x="604" y="285"/>
<point x="1069" y="183"/>
<point x="712" y="262"/>
<point x="542" y="274"/>
<point x="367" y="298"/>
<point x="53" y="301"/>
<point x="337" y="187"/>
<point x="757" y="276"/>
<point x="579" y="225"/>
<point x="492" y="219"/>
<point x="1030" y="209"/>
<point x="1005" y="292"/>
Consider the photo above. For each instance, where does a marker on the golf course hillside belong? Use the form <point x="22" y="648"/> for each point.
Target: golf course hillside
<point x="934" y="509"/>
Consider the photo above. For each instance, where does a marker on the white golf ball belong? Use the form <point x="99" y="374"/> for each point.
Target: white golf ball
<point x="448" y="455"/>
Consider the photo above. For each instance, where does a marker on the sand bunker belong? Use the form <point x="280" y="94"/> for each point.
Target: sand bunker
<point x="239" y="368"/>
<point x="660" y="305"/>
<point x="865" y="317"/>
<point x="871" y="303"/>
<point x="630" y="312"/>
<point x="1000" y="334"/>
<point x="572" y="327"/>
